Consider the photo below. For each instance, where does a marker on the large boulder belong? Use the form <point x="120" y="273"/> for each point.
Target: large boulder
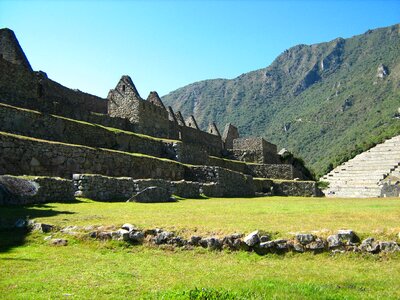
<point x="152" y="194"/>
<point x="252" y="239"/>
<point x="22" y="190"/>
<point x="14" y="189"/>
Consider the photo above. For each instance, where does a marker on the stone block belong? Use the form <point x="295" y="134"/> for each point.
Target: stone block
<point x="152" y="194"/>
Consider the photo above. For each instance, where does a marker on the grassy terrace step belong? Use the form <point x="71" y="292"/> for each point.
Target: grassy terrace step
<point x="25" y="155"/>
<point x="61" y="129"/>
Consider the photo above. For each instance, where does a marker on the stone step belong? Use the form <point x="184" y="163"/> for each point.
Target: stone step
<point x="360" y="176"/>
<point x="353" y="182"/>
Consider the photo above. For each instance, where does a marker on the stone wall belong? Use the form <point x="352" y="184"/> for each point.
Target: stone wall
<point x="237" y="166"/>
<point x="211" y="143"/>
<point x="21" y="155"/>
<point x="189" y="153"/>
<point x="34" y="90"/>
<point x="390" y="189"/>
<point x="17" y="85"/>
<point x="153" y="120"/>
<point x="255" y="150"/>
<point x="263" y="186"/>
<point x="125" y="102"/>
<point x="43" y="126"/>
<point x="22" y="190"/>
<point x="229" y="135"/>
<point x="226" y="183"/>
<point x="281" y="171"/>
<point x="10" y="49"/>
<point x="103" y="188"/>
<point x="48" y="127"/>
<point x="295" y="188"/>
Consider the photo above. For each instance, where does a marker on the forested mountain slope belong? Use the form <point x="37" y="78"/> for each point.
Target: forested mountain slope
<point x="324" y="102"/>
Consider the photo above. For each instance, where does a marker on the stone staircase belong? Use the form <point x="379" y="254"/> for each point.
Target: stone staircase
<point x="362" y="176"/>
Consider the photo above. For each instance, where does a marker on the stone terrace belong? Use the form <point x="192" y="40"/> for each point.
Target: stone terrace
<point x="68" y="137"/>
<point x="373" y="173"/>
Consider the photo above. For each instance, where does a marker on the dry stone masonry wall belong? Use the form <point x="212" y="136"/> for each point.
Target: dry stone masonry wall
<point x="47" y="129"/>
<point x="38" y="157"/>
<point x="21" y="190"/>
<point x="104" y="188"/>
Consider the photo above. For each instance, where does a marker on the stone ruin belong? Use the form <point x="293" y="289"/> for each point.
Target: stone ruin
<point x="112" y="148"/>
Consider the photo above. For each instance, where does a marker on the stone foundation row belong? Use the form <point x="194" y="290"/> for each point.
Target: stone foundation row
<point x="258" y="242"/>
<point x="205" y="181"/>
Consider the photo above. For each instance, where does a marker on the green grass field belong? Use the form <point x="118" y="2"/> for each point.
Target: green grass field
<point x="32" y="269"/>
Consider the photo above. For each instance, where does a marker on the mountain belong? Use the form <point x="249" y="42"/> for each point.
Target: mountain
<point x="325" y="102"/>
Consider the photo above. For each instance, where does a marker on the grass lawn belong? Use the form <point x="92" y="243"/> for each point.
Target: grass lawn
<point x="32" y="269"/>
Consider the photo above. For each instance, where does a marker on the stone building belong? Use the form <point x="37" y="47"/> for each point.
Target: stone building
<point x="42" y="134"/>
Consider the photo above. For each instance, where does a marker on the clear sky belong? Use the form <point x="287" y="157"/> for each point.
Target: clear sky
<point x="164" y="45"/>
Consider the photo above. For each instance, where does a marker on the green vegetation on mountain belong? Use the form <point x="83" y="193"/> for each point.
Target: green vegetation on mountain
<point x="325" y="102"/>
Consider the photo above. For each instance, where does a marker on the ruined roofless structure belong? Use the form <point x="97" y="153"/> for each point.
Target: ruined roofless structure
<point x="126" y="143"/>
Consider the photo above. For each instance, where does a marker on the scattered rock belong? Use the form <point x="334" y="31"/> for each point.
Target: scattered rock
<point x="59" y="242"/>
<point x="297" y="247"/>
<point x="305" y="238"/>
<point x="70" y="230"/>
<point x="238" y="244"/>
<point x="150" y="232"/>
<point x="120" y="234"/>
<point x="264" y="238"/>
<point x="281" y="245"/>
<point x="265" y="247"/>
<point x="136" y="236"/>
<point x="347" y="236"/>
<point x="128" y="227"/>
<point x="317" y="245"/>
<point x="194" y="240"/>
<point x="213" y="243"/>
<point x="252" y="242"/>
<point x="104" y="235"/>
<point x="203" y="243"/>
<point x="252" y="239"/>
<point x="162" y="237"/>
<point x="89" y="228"/>
<point x="389" y="246"/>
<point x="234" y="236"/>
<point x="333" y="241"/>
<point x="369" y="245"/>
<point x="42" y="227"/>
<point x="93" y="234"/>
<point x="177" y="241"/>
<point x="21" y="223"/>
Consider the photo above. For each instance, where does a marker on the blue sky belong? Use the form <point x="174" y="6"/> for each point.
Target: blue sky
<point x="164" y="45"/>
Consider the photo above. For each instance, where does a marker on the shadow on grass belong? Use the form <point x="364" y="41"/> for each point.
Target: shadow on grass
<point x="11" y="236"/>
